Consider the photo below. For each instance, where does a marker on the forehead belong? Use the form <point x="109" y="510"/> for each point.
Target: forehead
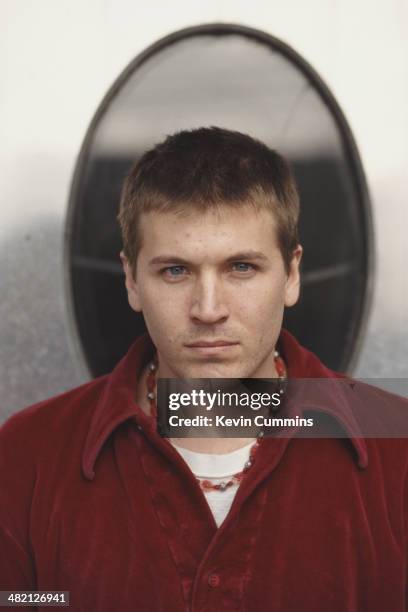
<point x="214" y="232"/>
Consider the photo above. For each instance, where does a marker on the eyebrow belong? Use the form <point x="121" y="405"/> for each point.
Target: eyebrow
<point x="248" y="255"/>
<point x="240" y="256"/>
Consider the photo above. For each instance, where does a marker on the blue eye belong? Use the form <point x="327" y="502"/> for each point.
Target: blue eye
<point x="241" y="266"/>
<point x="174" y="271"/>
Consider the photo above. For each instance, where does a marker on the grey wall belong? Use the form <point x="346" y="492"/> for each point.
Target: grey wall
<point x="57" y="62"/>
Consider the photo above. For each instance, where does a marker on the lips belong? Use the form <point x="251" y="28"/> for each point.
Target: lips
<point x="213" y="344"/>
<point x="212" y="349"/>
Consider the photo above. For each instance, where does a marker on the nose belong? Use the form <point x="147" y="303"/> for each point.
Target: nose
<point x="208" y="305"/>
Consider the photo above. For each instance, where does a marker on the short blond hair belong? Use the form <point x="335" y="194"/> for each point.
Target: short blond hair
<point x="204" y="169"/>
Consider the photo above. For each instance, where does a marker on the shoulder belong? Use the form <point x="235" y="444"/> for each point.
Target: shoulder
<point x="370" y="392"/>
<point x="380" y="413"/>
<point x="382" y="419"/>
<point x="50" y="421"/>
<point x="38" y="445"/>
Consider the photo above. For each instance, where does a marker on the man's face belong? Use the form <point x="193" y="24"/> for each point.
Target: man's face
<point x="212" y="288"/>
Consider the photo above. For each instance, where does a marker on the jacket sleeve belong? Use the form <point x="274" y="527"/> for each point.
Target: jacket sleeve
<point x="17" y="477"/>
<point x="16" y="566"/>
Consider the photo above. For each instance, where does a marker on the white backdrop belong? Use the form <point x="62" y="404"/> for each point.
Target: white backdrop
<point x="57" y="60"/>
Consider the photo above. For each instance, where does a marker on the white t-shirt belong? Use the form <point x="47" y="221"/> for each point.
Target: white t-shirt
<point x="217" y="468"/>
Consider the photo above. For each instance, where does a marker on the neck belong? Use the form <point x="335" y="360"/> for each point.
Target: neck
<point x="212" y="444"/>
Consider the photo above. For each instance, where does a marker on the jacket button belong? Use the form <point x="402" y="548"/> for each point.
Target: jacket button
<point x="214" y="580"/>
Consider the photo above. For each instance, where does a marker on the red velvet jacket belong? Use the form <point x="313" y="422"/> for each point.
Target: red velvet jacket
<point x="93" y="501"/>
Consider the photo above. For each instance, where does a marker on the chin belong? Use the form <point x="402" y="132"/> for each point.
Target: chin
<point x="216" y="370"/>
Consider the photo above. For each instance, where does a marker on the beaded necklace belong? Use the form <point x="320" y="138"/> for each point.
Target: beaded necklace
<point x="207" y="485"/>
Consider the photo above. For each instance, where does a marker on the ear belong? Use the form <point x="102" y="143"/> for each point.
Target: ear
<point x="292" y="286"/>
<point x="131" y="284"/>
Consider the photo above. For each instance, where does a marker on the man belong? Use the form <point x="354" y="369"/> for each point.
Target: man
<point x="95" y="502"/>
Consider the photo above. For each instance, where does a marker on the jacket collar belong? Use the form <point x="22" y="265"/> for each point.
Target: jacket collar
<point x="335" y="400"/>
<point x="117" y="402"/>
